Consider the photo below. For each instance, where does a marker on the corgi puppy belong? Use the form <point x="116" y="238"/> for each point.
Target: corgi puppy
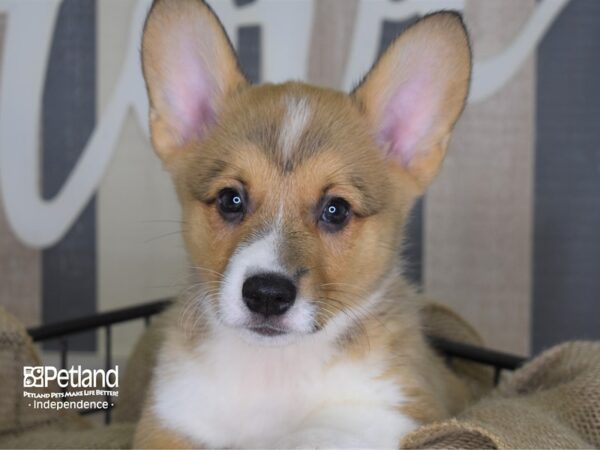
<point x="300" y="331"/>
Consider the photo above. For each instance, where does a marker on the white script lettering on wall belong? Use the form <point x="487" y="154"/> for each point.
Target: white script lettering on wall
<point x="286" y="29"/>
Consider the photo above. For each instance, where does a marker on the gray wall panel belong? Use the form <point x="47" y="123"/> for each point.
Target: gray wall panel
<point x="566" y="286"/>
<point x="413" y="247"/>
<point x="68" y="116"/>
<point x="248" y="50"/>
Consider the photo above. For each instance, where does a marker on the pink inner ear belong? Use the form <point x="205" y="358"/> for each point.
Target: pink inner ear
<point x="191" y="92"/>
<point x="407" y="118"/>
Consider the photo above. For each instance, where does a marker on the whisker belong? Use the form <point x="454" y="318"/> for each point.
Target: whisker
<point x="163" y="236"/>
<point x="206" y="269"/>
<point x="356" y="320"/>
<point x="163" y="221"/>
<point x="194" y="296"/>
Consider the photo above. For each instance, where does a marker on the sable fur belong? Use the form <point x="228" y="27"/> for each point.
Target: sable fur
<point x="336" y="151"/>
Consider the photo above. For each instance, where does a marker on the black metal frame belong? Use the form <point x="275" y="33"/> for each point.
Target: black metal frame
<point x="62" y="330"/>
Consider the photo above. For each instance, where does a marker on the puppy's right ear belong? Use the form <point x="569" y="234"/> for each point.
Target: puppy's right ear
<point x="190" y="68"/>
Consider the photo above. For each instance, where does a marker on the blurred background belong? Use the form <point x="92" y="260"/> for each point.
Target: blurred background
<point x="509" y="234"/>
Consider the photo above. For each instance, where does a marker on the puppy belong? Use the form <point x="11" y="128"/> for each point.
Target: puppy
<point x="300" y="331"/>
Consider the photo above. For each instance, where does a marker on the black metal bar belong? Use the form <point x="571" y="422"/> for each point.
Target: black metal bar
<point x="107" y="366"/>
<point x="97" y="320"/>
<point x="450" y="349"/>
<point x="64" y="350"/>
<point x="497" y="371"/>
<point x="147" y="321"/>
<point x="87" y="412"/>
<point x="477" y="354"/>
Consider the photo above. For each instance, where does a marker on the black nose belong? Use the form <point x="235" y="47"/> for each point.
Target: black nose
<point x="269" y="294"/>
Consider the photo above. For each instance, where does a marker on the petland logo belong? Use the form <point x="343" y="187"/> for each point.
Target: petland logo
<point x="75" y="377"/>
<point x="81" y="389"/>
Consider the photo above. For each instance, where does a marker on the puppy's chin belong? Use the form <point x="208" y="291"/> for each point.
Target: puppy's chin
<point x="327" y="332"/>
<point x="294" y="325"/>
<point x="259" y="338"/>
<point x="267" y="333"/>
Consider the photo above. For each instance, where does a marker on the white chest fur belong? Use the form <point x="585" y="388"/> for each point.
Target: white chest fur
<point x="232" y="394"/>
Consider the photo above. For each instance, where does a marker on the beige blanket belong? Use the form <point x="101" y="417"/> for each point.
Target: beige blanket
<point x="552" y="402"/>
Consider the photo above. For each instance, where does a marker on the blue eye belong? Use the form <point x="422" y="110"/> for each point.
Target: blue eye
<point x="231" y="205"/>
<point x="335" y="214"/>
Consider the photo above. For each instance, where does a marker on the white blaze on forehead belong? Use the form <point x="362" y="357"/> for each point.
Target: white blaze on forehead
<point x="295" y="120"/>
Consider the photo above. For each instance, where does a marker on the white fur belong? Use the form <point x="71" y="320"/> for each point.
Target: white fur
<point x="295" y="120"/>
<point x="258" y="257"/>
<point x="229" y="393"/>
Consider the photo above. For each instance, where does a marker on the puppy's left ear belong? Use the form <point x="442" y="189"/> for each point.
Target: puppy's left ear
<point x="415" y="93"/>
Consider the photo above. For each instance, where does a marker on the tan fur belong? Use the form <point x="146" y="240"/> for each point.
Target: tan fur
<point x="339" y="160"/>
<point x="336" y="155"/>
<point x="435" y="391"/>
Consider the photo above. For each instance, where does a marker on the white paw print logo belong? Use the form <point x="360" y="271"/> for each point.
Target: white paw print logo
<point x="33" y="376"/>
